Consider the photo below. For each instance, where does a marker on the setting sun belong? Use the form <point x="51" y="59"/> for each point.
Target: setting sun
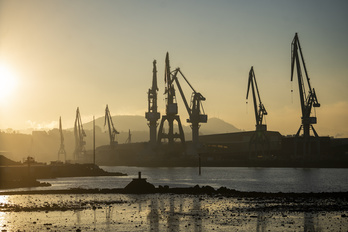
<point x="8" y="83"/>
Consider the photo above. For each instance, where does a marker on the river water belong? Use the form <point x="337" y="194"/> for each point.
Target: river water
<point x="238" y="178"/>
<point x="175" y="212"/>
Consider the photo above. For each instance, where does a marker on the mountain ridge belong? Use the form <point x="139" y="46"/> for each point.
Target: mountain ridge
<point x="124" y="123"/>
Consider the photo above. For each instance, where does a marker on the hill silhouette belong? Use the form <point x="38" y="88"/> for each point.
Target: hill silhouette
<point x="44" y="145"/>
<point x="137" y="123"/>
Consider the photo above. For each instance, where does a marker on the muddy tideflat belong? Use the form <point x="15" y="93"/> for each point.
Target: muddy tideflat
<point x="170" y="212"/>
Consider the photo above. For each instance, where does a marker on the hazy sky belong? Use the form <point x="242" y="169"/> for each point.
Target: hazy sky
<point x="67" y="54"/>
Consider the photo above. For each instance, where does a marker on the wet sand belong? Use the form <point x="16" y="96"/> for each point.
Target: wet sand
<point x="173" y="212"/>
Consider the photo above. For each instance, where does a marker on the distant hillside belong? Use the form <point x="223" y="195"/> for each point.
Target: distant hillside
<point x="4" y="161"/>
<point x="217" y="126"/>
<point x="44" y="145"/>
<point x="123" y="123"/>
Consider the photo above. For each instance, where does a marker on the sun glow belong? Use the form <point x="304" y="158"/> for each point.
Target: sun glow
<point x="8" y="83"/>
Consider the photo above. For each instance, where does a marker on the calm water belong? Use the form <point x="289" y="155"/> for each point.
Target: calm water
<point x="243" y="179"/>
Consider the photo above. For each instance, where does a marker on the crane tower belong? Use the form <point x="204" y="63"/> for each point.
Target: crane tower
<point x="79" y="133"/>
<point x="195" y="110"/>
<point x="171" y="111"/>
<point x="112" y="131"/>
<point x="61" y="150"/>
<point x="152" y="115"/>
<point x="308" y="99"/>
<point x="258" y="139"/>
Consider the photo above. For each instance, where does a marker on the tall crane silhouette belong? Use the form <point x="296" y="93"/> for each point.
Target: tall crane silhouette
<point x="195" y="110"/>
<point x="171" y="111"/>
<point x="112" y="131"/>
<point x="259" y="108"/>
<point x="61" y="150"/>
<point x="259" y="139"/>
<point x="152" y="115"/>
<point x="79" y="133"/>
<point x="308" y="99"/>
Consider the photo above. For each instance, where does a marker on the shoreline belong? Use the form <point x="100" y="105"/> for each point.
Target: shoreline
<point x="196" y="190"/>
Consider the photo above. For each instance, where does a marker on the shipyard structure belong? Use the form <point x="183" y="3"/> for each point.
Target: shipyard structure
<point x="167" y="145"/>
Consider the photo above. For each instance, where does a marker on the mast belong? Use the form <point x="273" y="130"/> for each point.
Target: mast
<point x="129" y="139"/>
<point x="61" y="150"/>
<point x="93" y="140"/>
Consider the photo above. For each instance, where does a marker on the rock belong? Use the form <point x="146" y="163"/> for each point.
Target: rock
<point x="139" y="185"/>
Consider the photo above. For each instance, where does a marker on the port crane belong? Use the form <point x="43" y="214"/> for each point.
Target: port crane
<point x="112" y="131"/>
<point x="194" y="109"/>
<point x="308" y="101"/>
<point x="79" y="133"/>
<point x="171" y="111"/>
<point x="152" y="115"/>
<point x="259" y="108"/>
<point x="61" y="150"/>
<point x="259" y="138"/>
<point x="129" y="139"/>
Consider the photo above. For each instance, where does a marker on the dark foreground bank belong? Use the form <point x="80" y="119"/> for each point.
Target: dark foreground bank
<point x="23" y="176"/>
<point x="196" y="190"/>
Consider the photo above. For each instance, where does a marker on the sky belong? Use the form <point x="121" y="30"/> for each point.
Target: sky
<point x="58" y="55"/>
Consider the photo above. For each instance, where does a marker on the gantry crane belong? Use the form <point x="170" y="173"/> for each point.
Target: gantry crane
<point x="307" y="101"/>
<point x="194" y="110"/>
<point x="171" y="111"/>
<point x="259" y="139"/>
<point x="79" y="133"/>
<point x="61" y="150"/>
<point x="152" y="115"/>
<point x="112" y="131"/>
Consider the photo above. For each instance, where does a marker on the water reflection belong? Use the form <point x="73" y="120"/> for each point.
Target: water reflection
<point x="311" y="222"/>
<point x="157" y="212"/>
<point x="197" y="214"/>
<point x="153" y="216"/>
<point x="261" y="224"/>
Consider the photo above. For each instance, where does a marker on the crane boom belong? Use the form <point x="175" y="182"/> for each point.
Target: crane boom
<point x="307" y="100"/>
<point x="112" y="131"/>
<point x="260" y="110"/>
<point x="175" y="78"/>
<point x="194" y="110"/>
<point x="79" y="136"/>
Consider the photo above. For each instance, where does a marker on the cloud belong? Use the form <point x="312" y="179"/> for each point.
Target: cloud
<point x="42" y="126"/>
